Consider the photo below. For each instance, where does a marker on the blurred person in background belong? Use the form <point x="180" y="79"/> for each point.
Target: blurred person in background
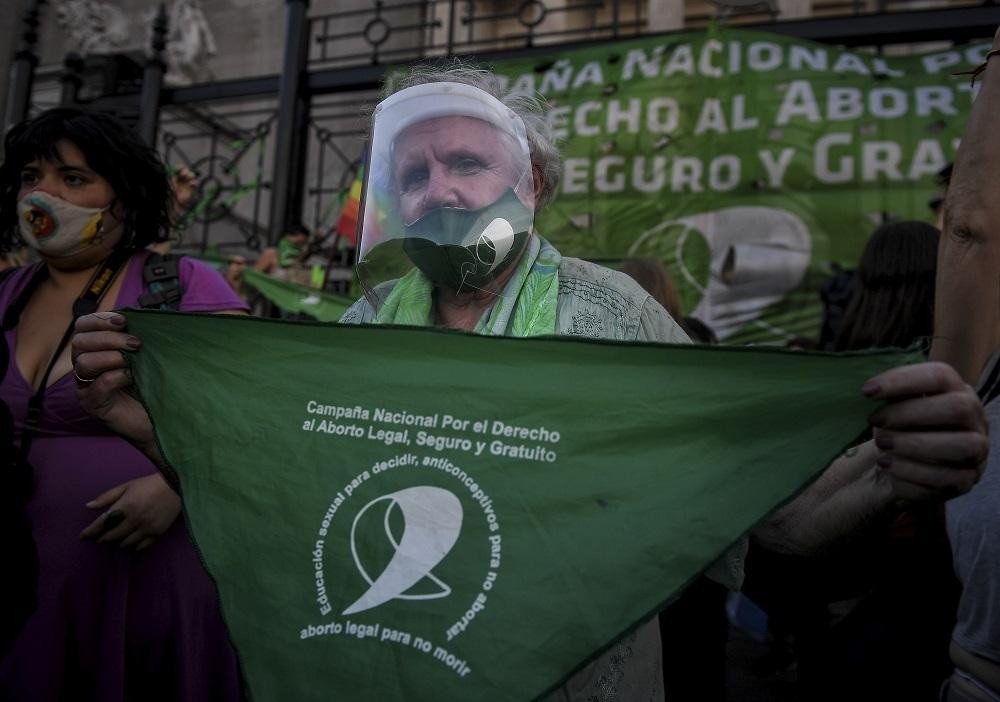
<point x="286" y="260"/>
<point x="654" y="278"/>
<point x="233" y="273"/>
<point x="184" y="186"/>
<point x="893" y="299"/>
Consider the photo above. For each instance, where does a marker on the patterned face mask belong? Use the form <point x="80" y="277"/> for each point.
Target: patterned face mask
<point x="58" y="228"/>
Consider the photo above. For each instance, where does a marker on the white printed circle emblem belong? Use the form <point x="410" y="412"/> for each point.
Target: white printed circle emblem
<point x="432" y="522"/>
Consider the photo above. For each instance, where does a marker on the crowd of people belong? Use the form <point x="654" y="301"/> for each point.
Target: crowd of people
<point x="108" y="599"/>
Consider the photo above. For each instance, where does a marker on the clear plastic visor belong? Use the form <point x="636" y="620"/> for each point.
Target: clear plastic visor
<point x="448" y="197"/>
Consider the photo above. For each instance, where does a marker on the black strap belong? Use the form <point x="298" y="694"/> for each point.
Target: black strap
<point x="87" y="303"/>
<point x="989" y="390"/>
<point x="161" y="277"/>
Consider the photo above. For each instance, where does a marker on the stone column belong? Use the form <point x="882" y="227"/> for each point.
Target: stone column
<point x="293" y="121"/>
<point x="22" y="68"/>
<point x="152" y="79"/>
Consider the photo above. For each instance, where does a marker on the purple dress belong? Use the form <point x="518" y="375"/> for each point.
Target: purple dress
<point x="111" y="624"/>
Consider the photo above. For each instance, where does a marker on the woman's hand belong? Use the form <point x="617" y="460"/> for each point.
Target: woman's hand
<point x="932" y="435"/>
<point x="135" y="513"/>
<point x="103" y="379"/>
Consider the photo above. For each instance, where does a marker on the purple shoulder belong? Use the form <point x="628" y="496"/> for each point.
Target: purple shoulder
<point x="205" y="290"/>
<point x="12" y="280"/>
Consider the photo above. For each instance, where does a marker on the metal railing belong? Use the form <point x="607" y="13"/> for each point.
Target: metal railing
<point x="408" y="30"/>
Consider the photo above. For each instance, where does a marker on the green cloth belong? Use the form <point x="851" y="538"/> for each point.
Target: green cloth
<point x="527" y="306"/>
<point x="324" y="306"/>
<point x="396" y="513"/>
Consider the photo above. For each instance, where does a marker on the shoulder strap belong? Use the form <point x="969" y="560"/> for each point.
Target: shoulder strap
<point x="161" y="277"/>
<point x="990" y="388"/>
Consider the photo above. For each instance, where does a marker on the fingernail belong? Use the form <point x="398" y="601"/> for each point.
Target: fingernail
<point x="117" y="320"/>
<point x="884" y="442"/>
<point x="133" y="342"/>
<point x="871" y="389"/>
<point x="884" y="460"/>
<point x="90" y="504"/>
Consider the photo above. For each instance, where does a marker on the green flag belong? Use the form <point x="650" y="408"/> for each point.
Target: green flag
<point x="417" y="514"/>
<point x="748" y="163"/>
<point x="324" y="306"/>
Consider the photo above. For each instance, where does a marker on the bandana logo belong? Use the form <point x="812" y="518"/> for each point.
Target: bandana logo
<point x="432" y="521"/>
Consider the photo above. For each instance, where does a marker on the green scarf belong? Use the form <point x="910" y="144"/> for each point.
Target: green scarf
<point x="527" y="306"/>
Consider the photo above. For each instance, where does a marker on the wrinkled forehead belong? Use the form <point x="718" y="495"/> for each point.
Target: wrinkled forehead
<point x="444" y="135"/>
<point x="405" y="111"/>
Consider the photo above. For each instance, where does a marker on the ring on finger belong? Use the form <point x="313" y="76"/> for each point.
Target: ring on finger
<point x="82" y="381"/>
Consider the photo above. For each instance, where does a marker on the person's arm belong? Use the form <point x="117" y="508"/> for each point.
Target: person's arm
<point x="967" y="298"/>
<point x="99" y="339"/>
<point x="930" y="444"/>
<point x="267" y="262"/>
<point x="98" y="342"/>
<point x="849" y="497"/>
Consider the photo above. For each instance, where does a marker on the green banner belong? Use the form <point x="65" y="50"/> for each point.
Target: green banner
<point x="747" y="162"/>
<point x="418" y="514"/>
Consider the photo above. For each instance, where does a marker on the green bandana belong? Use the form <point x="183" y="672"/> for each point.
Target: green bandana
<point x="527" y="306"/>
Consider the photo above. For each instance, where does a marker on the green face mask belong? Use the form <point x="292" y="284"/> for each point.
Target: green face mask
<point x="464" y="250"/>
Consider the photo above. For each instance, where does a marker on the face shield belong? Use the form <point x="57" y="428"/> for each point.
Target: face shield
<point x="449" y="191"/>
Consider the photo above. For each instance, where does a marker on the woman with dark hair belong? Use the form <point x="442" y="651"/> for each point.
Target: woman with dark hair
<point x="895" y="634"/>
<point x="108" y="599"/>
<point x="893" y="300"/>
<point x="654" y="278"/>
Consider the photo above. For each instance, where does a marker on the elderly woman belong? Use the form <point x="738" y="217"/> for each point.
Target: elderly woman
<point x="106" y="597"/>
<point x="458" y="168"/>
<point x="458" y="175"/>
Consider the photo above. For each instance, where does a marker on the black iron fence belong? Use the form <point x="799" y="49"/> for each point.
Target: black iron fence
<point x="387" y="33"/>
<point x="273" y="150"/>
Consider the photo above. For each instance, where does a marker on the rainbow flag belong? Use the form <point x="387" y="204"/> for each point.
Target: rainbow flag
<point x="347" y="225"/>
